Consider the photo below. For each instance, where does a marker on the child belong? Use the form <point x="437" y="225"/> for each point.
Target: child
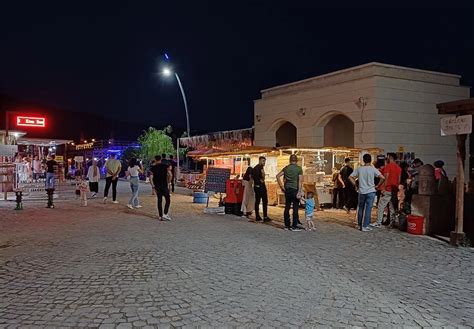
<point x="83" y="187"/>
<point x="309" y="211"/>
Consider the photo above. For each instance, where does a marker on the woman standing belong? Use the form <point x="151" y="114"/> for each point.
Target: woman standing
<point x="93" y="174"/>
<point x="248" y="201"/>
<point x="133" y="171"/>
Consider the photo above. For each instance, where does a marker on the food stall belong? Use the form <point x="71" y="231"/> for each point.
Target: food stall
<point x="317" y="164"/>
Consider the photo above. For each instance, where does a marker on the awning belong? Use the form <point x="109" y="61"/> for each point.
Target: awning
<point x="42" y="141"/>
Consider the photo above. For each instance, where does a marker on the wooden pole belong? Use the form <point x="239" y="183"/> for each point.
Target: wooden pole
<point x="458" y="233"/>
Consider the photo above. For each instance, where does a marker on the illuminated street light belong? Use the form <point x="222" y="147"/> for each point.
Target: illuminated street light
<point x="167" y="72"/>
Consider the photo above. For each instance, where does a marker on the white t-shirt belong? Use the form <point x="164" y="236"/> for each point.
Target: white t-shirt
<point x="133" y="171"/>
<point x="366" y="175"/>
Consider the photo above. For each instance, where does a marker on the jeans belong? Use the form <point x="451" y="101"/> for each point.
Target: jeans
<point x="291" y="200"/>
<point x="160" y="193"/>
<point x="50" y="180"/>
<point x="261" y="194"/>
<point x="134" y="183"/>
<point x="337" y="198"/>
<point x="108" y="182"/>
<point x="385" y="199"/>
<point x="366" y="202"/>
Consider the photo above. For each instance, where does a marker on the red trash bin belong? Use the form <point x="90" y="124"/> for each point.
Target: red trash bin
<point x="415" y="224"/>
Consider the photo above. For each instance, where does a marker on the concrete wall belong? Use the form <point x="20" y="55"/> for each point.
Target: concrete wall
<point x="390" y="107"/>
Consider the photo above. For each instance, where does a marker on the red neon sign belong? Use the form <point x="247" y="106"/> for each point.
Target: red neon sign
<point x="30" y="122"/>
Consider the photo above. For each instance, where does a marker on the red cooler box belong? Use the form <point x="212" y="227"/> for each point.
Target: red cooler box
<point x="234" y="191"/>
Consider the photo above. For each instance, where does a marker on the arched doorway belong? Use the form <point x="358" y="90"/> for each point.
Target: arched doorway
<point x="339" y="131"/>
<point x="286" y="135"/>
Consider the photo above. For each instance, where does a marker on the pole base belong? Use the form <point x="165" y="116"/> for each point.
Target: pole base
<point x="456" y="238"/>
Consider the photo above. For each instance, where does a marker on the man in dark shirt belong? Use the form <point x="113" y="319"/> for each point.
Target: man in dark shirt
<point x="160" y="178"/>
<point x="50" y="166"/>
<point x="345" y="173"/>
<point x="258" y="175"/>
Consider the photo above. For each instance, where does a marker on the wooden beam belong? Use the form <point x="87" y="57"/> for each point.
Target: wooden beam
<point x="458" y="235"/>
<point x="464" y="106"/>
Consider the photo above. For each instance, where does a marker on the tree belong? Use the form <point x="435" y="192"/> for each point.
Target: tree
<point x="154" y="142"/>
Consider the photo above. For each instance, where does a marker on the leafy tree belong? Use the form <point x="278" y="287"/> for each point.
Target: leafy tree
<point x="154" y="142"/>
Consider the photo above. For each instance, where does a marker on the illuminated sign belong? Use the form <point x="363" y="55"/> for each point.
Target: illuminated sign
<point x="84" y="146"/>
<point x="30" y="122"/>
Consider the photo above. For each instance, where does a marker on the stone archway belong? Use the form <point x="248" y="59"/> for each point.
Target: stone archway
<point x="339" y="131"/>
<point x="286" y="135"/>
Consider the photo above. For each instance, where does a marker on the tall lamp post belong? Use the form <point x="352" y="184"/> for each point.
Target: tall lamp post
<point x="167" y="72"/>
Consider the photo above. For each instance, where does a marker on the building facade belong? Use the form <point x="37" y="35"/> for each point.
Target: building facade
<point x="372" y="105"/>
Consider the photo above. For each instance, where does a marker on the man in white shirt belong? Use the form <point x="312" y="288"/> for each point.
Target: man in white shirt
<point x="366" y="175"/>
<point x="112" y="167"/>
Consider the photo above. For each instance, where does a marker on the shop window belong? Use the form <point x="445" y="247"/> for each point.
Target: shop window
<point x="339" y="131"/>
<point x="286" y="135"/>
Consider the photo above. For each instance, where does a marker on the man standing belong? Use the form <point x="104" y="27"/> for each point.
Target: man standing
<point x="348" y="190"/>
<point x="366" y="175"/>
<point x="51" y="166"/>
<point x="160" y="178"/>
<point x="258" y="174"/>
<point x="173" y="165"/>
<point x="293" y="180"/>
<point x="391" y="173"/>
<point x="112" y="167"/>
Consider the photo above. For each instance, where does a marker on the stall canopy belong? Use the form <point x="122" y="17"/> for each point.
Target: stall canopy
<point x="42" y="141"/>
<point x="223" y="140"/>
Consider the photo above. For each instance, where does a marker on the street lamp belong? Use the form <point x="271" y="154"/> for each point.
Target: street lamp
<point x="167" y="72"/>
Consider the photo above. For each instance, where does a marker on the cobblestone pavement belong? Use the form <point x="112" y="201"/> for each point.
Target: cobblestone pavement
<point x="106" y="266"/>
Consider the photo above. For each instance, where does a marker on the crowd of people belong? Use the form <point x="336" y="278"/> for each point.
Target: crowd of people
<point x="392" y="183"/>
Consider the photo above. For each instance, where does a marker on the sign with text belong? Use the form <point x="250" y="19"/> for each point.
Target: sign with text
<point x="216" y="179"/>
<point x="8" y="150"/>
<point x="456" y="125"/>
<point x="30" y="122"/>
<point x="59" y="158"/>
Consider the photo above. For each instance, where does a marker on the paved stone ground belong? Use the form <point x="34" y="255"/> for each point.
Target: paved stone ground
<point x="105" y="266"/>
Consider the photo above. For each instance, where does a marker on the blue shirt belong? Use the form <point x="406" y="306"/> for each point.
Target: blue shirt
<point x="309" y="207"/>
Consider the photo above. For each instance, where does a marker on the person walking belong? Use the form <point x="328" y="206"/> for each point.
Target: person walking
<point x="93" y="175"/>
<point x="366" y="175"/>
<point x="389" y="190"/>
<point x="160" y="178"/>
<point x="112" y="167"/>
<point x="258" y="174"/>
<point x="348" y="190"/>
<point x="133" y="171"/>
<point x="248" y="200"/>
<point x="292" y="187"/>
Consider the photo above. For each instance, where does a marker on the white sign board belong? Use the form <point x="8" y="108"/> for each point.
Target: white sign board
<point x="456" y="125"/>
<point x="8" y="150"/>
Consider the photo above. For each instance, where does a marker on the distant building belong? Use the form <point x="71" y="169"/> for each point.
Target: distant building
<point x="371" y="105"/>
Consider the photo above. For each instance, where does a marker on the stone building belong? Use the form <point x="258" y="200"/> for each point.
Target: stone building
<point x="371" y="105"/>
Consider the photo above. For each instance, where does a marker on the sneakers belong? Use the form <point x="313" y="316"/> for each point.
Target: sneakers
<point x="93" y="195"/>
<point x="286" y="229"/>
<point x="375" y="225"/>
<point x="129" y="206"/>
<point x="166" y="217"/>
<point x="366" y="229"/>
<point x="258" y="219"/>
<point x="105" y="199"/>
<point x="115" y="202"/>
<point x="138" y="207"/>
<point x="295" y="229"/>
<point x="267" y="219"/>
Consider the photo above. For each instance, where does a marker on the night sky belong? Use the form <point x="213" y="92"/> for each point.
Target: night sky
<point x="103" y="57"/>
